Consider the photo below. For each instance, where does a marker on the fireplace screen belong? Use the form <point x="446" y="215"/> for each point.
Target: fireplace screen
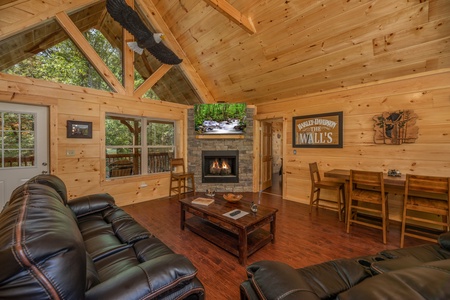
<point x="220" y="166"/>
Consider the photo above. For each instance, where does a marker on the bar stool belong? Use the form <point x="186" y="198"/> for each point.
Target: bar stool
<point x="317" y="184"/>
<point x="181" y="177"/>
<point x="426" y="200"/>
<point x="367" y="195"/>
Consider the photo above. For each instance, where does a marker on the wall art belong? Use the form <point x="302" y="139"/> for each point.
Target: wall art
<point x="395" y="128"/>
<point x="318" y="131"/>
<point x="79" y="129"/>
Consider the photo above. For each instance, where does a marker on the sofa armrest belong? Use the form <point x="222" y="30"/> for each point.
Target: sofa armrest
<point x="444" y="240"/>
<point x="146" y="280"/>
<point x="277" y="280"/>
<point x="90" y="204"/>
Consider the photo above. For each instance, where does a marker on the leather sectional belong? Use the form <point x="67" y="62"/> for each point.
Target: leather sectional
<point x="421" y="272"/>
<point x="87" y="248"/>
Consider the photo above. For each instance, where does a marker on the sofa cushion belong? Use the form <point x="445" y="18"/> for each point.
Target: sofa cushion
<point x="141" y="280"/>
<point x="150" y="248"/>
<point x="423" y="253"/>
<point x="338" y="275"/>
<point x="276" y="280"/>
<point x="40" y="242"/>
<point x="52" y="181"/>
<point x="90" y="204"/>
<point x="389" y="265"/>
<point x="128" y="230"/>
<point x="427" y="281"/>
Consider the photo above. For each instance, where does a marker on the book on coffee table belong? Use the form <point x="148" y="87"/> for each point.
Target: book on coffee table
<point x="203" y="201"/>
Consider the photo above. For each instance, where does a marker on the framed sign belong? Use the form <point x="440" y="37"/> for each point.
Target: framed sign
<point x="79" y="130"/>
<point x="317" y="131"/>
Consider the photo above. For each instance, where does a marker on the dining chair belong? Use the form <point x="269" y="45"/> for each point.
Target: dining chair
<point x="367" y="201"/>
<point x="425" y="206"/>
<point x="179" y="175"/>
<point x="318" y="184"/>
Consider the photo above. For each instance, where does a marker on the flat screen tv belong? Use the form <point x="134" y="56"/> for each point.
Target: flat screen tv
<point x="220" y="118"/>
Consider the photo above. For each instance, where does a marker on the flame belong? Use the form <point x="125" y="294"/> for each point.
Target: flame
<point x="215" y="164"/>
<point x="225" y="166"/>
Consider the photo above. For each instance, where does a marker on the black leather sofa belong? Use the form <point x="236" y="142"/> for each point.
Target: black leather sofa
<point x="421" y="272"/>
<point x="87" y="248"/>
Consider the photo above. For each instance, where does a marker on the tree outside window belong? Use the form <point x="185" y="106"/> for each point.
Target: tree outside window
<point x="136" y="145"/>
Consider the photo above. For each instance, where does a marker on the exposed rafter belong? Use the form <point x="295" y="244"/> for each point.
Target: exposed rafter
<point x="77" y="37"/>
<point x="152" y="80"/>
<point x="128" y="58"/>
<point x="152" y="14"/>
<point x="232" y="14"/>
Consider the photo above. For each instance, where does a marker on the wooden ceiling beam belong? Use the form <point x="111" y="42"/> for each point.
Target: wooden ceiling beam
<point x="47" y="16"/>
<point x="153" y="16"/>
<point x="233" y="14"/>
<point x="83" y="45"/>
<point x="128" y="58"/>
<point x="152" y="80"/>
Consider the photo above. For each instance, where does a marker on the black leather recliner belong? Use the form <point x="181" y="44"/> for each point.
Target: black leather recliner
<point x="86" y="248"/>
<point x="421" y="272"/>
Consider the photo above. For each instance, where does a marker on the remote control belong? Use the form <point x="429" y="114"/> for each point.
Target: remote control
<point x="235" y="213"/>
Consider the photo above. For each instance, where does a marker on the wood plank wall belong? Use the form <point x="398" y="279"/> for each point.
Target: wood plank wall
<point x="84" y="173"/>
<point x="428" y="95"/>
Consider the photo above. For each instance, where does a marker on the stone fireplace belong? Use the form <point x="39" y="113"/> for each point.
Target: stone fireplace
<point x="243" y="181"/>
<point x="220" y="166"/>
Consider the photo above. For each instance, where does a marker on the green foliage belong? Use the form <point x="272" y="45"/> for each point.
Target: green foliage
<point x="219" y="112"/>
<point x="64" y="63"/>
<point x="160" y="134"/>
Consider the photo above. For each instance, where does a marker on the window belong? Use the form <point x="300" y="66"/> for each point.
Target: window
<point x="16" y="139"/>
<point x="136" y="145"/>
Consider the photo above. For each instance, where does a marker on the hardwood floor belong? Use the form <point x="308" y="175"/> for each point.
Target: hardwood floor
<point x="302" y="239"/>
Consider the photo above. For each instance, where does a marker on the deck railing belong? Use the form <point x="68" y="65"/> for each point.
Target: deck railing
<point x="157" y="162"/>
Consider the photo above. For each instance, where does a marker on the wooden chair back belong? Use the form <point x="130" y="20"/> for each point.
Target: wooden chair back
<point x="177" y="166"/>
<point x="428" y="195"/>
<point x="427" y="184"/>
<point x="368" y="179"/>
<point x="314" y="172"/>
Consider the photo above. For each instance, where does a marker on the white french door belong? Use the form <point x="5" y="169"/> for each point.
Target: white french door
<point x="23" y="145"/>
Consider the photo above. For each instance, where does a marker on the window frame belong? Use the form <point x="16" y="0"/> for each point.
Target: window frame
<point x="144" y="147"/>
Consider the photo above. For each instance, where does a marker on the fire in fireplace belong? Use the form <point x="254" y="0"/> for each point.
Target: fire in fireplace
<point x="220" y="166"/>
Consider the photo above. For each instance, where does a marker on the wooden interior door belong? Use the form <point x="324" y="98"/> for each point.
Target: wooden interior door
<point x="266" y="155"/>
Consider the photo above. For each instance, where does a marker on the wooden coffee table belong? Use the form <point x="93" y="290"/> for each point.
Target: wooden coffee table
<point x="241" y="237"/>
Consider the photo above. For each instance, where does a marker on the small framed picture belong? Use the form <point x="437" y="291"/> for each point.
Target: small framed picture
<point x="79" y="130"/>
<point x="317" y="131"/>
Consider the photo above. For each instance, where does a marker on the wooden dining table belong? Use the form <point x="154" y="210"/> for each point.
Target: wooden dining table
<point x="392" y="184"/>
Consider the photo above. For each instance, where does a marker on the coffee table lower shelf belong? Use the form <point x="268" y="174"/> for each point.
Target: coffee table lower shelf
<point x="227" y="240"/>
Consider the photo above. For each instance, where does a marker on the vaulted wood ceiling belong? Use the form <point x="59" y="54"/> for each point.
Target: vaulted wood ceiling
<point x="253" y="51"/>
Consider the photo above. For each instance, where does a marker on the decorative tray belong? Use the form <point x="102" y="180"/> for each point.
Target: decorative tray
<point x="232" y="197"/>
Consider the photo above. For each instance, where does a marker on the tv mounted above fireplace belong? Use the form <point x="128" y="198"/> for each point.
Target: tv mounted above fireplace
<point x="220" y="118"/>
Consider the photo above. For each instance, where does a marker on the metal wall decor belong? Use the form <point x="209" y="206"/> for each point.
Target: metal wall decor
<point x="318" y="131"/>
<point x="395" y="128"/>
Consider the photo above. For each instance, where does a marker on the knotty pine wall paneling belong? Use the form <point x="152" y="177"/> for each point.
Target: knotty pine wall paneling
<point x="428" y="95"/>
<point x="84" y="173"/>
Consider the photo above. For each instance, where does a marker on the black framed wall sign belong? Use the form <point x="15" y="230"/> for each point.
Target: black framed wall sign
<point x="79" y="129"/>
<point x="318" y="131"/>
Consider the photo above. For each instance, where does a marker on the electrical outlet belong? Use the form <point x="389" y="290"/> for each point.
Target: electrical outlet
<point x="70" y="152"/>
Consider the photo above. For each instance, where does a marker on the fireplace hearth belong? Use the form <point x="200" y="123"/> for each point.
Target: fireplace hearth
<point x="220" y="166"/>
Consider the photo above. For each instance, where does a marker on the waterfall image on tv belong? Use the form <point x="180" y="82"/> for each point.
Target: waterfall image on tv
<point x="220" y="118"/>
